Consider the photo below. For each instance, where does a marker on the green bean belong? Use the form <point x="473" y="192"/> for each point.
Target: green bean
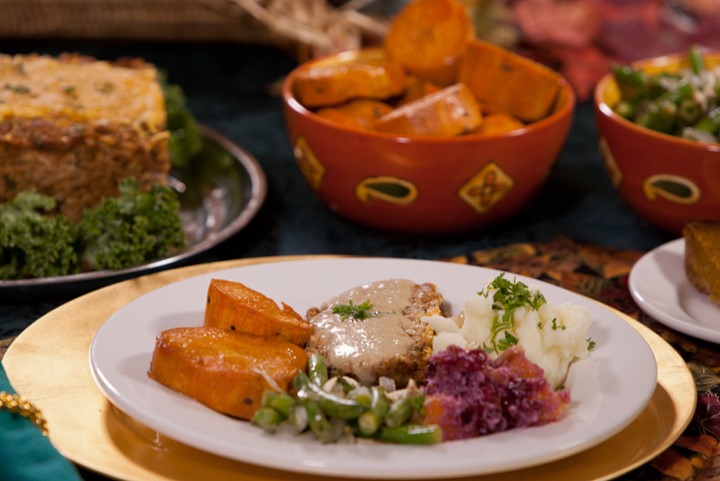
<point x="361" y="395"/>
<point x="633" y="84"/>
<point x="267" y="418"/>
<point x="318" y="421"/>
<point x="317" y="369"/>
<point x="689" y="111"/>
<point x="400" y="411"/>
<point x="300" y="381"/>
<point x="682" y="91"/>
<point x="335" y="406"/>
<point x="625" y="109"/>
<point x="659" y="116"/>
<point x="696" y="60"/>
<point x="267" y="397"/>
<point x="371" y="420"/>
<point x="347" y="386"/>
<point x="410" y="434"/>
<point x="368" y="423"/>
<point x="710" y="122"/>
<point x="282" y="403"/>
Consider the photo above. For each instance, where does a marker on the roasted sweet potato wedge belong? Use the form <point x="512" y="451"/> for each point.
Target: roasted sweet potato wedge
<point x="447" y="112"/>
<point x="333" y="84"/>
<point x="498" y="123"/>
<point x="360" y="113"/>
<point x="235" y="306"/>
<point x="224" y="370"/>
<point x="428" y="37"/>
<point x="503" y="81"/>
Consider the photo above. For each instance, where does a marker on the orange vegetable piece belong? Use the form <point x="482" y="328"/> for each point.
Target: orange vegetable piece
<point x="450" y="111"/>
<point x="225" y="370"/>
<point x="497" y="123"/>
<point x="234" y="306"/>
<point x="507" y="82"/>
<point x="360" y="113"/>
<point x="417" y="88"/>
<point x="429" y="37"/>
<point x="332" y="84"/>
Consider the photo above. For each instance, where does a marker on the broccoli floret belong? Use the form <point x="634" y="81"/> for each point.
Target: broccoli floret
<point x="33" y="244"/>
<point x="133" y="228"/>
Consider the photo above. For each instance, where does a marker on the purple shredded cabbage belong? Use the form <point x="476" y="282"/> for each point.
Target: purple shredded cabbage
<point x="481" y="396"/>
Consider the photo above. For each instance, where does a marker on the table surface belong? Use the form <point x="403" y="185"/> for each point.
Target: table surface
<point x="233" y="89"/>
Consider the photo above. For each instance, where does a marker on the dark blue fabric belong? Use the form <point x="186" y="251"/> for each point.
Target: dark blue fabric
<point x="25" y="454"/>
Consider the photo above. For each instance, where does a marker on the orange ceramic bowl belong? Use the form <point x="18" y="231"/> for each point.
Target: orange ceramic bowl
<point x="666" y="179"/>
<point x="422" y="184"/>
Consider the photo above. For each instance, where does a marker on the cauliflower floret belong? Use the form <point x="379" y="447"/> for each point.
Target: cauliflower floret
<point x="553" y="336"/>
<point x="477" y="320"/>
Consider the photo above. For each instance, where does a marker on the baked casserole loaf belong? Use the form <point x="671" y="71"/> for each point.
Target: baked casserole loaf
<point x="72" y="127"/>
<point x="702" y="257"/>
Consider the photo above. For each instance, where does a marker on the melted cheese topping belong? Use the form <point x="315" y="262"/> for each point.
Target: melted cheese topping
<point x="42" y="86"/>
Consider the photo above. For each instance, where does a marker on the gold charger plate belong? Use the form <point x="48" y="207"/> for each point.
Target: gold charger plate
<point x="48" y="363"/>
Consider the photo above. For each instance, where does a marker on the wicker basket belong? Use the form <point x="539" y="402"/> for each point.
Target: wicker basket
<point x="204" y="20"/>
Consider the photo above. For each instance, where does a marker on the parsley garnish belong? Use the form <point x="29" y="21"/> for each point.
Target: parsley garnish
<point x="18" y="89"/>
<point x="354" y="312"/>
<point x="507" y="297"/>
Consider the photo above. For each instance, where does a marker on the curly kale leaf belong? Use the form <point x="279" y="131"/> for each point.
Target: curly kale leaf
<point x="134" y="228"/>
<point x="33" y="244"/>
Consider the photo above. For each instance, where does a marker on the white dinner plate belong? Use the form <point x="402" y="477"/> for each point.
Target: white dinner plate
<point x="609" y="389"/>
<point x="660" y="287"/>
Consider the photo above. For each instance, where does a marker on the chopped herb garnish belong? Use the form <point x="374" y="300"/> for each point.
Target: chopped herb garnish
<point x="556" y="326"/>
<point x="508" y="341"/>
<point x="507" y="297"/>
<point x="354" y="312"/>
<point x="70" y="90"/>
<point x="590" y="344"/>
<point x="104" y="87"/>
<point x="19" y="89"/>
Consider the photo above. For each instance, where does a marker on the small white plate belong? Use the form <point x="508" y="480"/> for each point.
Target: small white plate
<point x="660" y="287"/>
<point x="609" y="389"/>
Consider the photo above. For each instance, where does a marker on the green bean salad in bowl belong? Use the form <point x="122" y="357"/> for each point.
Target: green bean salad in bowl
<point x="658" y="123"/>
<point x="685" y="102"/>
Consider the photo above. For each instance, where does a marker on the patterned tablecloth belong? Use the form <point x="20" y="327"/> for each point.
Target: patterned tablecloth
<point x="602" y="274"/>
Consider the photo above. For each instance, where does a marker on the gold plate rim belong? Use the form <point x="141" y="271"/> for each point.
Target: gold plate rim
<point x="48" y="364"/>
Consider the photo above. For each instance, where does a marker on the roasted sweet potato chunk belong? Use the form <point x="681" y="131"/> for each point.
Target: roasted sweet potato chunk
<point x="360" y="113"/>
<point x="498" y="123"/>
<point x="503" y="81"/>
<point x="333" y="84"/>
<point x="428" y="37"/>
<point x="450" y="111"/>
<point x="224" y="370"/>
<point x="235" y="306"/>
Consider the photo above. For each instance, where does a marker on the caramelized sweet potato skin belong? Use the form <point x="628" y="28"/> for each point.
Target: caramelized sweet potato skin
<point x="428" y="37"/>
<point x="224" y="370"/>
<point x="235" y="306"/>
<point x="333" y="84"/>
<point x="497" y="123"/>
<point x="503" y="81"/>
<point x="450" y="111"/>
<point x="360" y="113"/>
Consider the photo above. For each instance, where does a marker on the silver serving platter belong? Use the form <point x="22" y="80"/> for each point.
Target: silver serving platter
<point x="220" y="193"/>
